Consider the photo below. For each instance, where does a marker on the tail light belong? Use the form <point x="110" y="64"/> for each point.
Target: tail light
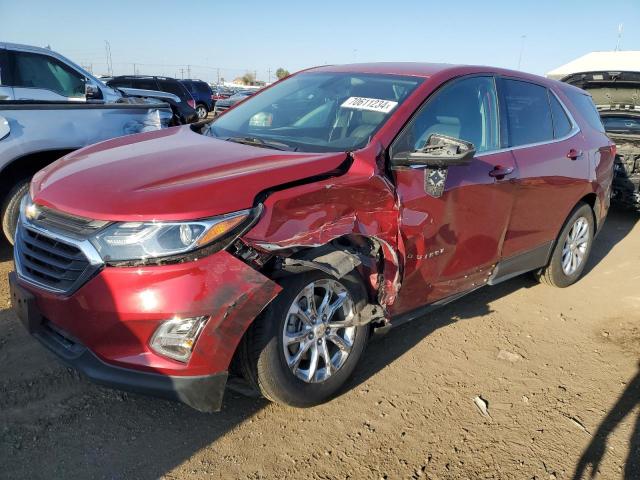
<point x="192" y="103"/>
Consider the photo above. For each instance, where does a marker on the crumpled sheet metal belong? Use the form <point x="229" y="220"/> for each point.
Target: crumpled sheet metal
<point x="360" y="202"/>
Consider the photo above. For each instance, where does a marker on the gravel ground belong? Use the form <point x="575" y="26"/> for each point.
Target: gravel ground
<point x="558" y="370"/>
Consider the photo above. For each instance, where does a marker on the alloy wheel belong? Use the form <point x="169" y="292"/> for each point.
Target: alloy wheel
<point x="575" y="246"/>
<point x="319" y="331"/>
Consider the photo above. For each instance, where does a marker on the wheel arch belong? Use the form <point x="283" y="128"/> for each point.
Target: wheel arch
<point x="27" y="165"/>
<point x="593" y="201"/>
<point x="366" y="254"/>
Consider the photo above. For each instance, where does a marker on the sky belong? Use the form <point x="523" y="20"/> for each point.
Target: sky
<point x="211" y="39"/>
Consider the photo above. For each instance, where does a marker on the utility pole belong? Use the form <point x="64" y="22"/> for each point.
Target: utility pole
<point x="269" y="74"/>
<point x="107" y="48"/>
<point x="188" y="71"/>
<point x="620" y="31"/>
<point x="522" y="38"/>
<point x="182" y="73"/>
<point x="218" y="72"/>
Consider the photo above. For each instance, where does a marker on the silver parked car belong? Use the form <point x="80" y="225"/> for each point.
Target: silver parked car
<point x="49" y="106"/>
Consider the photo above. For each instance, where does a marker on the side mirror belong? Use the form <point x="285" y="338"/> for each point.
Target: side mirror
<point x="92" y="92"/>
<point x="439" y="151"/>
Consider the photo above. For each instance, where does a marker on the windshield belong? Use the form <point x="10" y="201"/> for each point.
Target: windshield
<point x="619" y="124"/>
<point x="317" y="111"/>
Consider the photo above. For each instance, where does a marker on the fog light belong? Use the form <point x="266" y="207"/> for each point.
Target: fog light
<point x="175" y="338"/>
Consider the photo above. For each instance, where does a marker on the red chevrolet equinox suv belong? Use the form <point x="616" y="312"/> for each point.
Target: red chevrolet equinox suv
<point x="271" y="242"/>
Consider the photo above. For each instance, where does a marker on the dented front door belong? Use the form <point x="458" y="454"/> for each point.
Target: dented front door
<point x="453" y="220"/>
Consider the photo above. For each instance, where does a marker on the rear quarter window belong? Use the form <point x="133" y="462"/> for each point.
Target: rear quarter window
<point x="145" y="84"/>
<point x="584" y="104"/>
<point x="561" y="123"/>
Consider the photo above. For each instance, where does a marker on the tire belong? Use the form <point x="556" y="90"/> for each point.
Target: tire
<point x="557" y="273"/>
<point x="264" y="359"/>
<point x="11" y="208"/>
<point x="202" y="111"/>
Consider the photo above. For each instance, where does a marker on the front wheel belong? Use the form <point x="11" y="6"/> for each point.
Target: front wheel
<point x="10" y="210"/>
<point x="572" y="249"/>
<point x="306" y="344"/>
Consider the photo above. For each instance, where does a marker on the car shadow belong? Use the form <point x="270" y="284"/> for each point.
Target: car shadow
<point x="6" y="250"/>
<point x="618" y="225"/>
<point x="56" y="424"/>
<point x="595" y="451"/>
<point x="386" y="349"/>
<point x="399" y="340"/>
<point x="101" y="433"/>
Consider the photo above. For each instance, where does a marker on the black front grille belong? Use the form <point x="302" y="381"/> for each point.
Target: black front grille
<point x="49" y="262"/>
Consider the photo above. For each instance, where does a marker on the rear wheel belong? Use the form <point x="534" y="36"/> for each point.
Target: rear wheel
<point x="202" y="111"/>
<point x="11" y="208"/>
<point x="572" y="249"/>
<point x="306" y="344"/>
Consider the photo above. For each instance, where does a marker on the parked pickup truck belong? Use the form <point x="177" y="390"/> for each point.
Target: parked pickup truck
<point x="50" y="106"/>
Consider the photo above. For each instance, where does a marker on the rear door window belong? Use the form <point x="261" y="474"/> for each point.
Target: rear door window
<point x="561" y="123"/>
<point x="120" y="82"/>
<point x="587" y="109"/>
<point x="173" y="86"/>
<point x="145" y="83"/>
<point x="32" y="70"/>
<point x="528" y="112"/>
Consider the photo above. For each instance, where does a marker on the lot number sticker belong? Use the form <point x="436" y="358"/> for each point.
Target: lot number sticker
<point x="372" y="104"/>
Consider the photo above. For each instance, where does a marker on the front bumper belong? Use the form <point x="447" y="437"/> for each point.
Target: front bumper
<point x="203" y="392"/>
<point x="110" y="320"/>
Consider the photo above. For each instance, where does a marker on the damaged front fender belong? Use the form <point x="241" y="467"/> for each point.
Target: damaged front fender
<point x="307" y="218"/>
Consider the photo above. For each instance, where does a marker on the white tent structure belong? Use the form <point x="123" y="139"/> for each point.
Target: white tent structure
<point x="628" y="61"/>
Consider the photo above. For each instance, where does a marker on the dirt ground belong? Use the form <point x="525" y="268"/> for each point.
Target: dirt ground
<point x="558" y="368"/>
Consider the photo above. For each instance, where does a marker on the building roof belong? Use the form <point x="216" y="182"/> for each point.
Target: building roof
<point x="626" y="61"/>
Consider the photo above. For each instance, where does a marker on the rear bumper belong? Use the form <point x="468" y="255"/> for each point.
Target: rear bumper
<point x="203" y="392"/>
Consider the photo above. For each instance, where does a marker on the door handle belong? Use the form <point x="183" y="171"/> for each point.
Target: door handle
<point x="500" y="172"/>
<point x="574" y="154"/>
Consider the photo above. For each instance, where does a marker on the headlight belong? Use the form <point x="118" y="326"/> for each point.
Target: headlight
<point x="146" y="240"/>
<point x="28" y="209"/>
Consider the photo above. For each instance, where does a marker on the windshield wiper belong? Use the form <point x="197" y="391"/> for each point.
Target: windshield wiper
<point x="260" y="142"/>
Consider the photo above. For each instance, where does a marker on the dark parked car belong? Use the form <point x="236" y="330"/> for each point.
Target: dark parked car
<point x="615" y="94"/>
<point x="227" y="103"/>
<point x="202" y="94"/>
<point x="276" y="238"/>
<point x="186" y="108"/>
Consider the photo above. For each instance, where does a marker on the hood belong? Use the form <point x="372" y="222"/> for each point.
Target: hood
<point x="611" y="91"/>
<point x="171" y="174"/>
